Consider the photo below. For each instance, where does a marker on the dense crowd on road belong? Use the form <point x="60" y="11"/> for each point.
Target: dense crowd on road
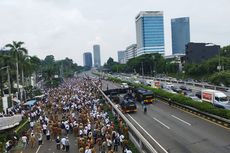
<point x="74" y="108"/>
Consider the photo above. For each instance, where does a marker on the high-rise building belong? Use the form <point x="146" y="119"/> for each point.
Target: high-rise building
<point x="180" y="34"/>
<point x="150" y="32"/>
<point x="199" y="52"/>
<point x="87" y="59"/>
<point x="96" y="55"/>
<point x="130" y="52"/>
<point x="121" y="56"/>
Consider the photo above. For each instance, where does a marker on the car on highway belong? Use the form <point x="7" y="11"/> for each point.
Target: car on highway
<point x="128" y="105"/>
<point x="185" y="88"/>
<point x="124" y="85"/>
<point x="198" y="94"/>
<point x="169" y="86"/>
<point x="137" y="82"/>
<point x="176" y="89"/>
<point x="114" y="97"/>
<point x="195" y="98"/>
<point x="146" y="96"/>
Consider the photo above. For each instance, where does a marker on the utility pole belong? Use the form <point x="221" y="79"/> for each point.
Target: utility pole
<point x="219" y="66"/>
<point x="142" y="69"/>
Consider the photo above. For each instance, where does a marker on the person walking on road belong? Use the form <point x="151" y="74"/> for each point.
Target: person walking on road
<point x="24" y="141"/>
<point x="48" y="135"/>
<point x="67" y="144"/>
<point x="145" y="109"/>
<point x="32" y="140"/>
<point x="40" y="138"/>
<point x="170" y="102"/>
<point x="63" y="141"/>
<point x="58" y="143"/>
<point x="142" y="104"/>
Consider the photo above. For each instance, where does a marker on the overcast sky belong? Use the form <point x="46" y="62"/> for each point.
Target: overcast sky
<point x="67" y="28"/>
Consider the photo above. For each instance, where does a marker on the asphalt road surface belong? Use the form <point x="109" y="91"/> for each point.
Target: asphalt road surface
<point x="178" y="131"/>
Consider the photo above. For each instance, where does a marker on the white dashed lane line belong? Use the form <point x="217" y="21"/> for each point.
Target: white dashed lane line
<point x="161" y="123"/>
<point x="181" y="120"/>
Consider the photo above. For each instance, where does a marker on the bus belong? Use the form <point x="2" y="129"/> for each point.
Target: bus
<point x="146" y="96"/>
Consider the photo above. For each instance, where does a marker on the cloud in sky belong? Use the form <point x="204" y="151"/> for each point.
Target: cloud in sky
<point x="67" y="28"/>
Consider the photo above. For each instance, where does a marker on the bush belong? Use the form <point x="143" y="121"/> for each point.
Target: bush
<point x="205" y="107"/>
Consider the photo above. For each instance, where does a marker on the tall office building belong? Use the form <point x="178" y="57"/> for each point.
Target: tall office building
<point x="150" y="32"/>
<point x="87" y="59"/>
<point x="199" y="52"/>
<point x="121" y="57"/>
<point x="130" y="52"/>
<point x="96" y="56"/>
<point x="180" y="34"/>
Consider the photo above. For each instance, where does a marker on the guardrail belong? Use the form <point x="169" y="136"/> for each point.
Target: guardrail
<point x="206" y="86"/>
<point x="143" y="145"/>
<point x="219" y="120"/>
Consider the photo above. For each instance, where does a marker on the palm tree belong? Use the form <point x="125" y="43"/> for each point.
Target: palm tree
<point x="17" y="51"/>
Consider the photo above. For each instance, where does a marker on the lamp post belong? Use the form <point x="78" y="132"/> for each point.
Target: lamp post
<point x="142" y="69"/>
<point x="154" y="67"/>
<point x="219" y="66"/>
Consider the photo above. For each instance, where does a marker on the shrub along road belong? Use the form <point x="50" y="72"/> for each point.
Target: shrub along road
<point x="178" y="131"/>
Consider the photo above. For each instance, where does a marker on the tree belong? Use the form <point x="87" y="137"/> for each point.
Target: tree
<point x="17" y="51"/>
<point x="225" y="51"/>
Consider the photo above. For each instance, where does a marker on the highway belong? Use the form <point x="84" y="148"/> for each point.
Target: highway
<point x="178" y="131"/>
<point x="188" y="84"/>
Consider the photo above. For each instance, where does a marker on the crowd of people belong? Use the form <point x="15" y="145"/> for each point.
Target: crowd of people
<point x="75" y="109"/>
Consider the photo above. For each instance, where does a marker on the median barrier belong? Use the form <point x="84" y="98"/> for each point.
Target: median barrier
<point x="137" y="138"/>
<point x="219" y="120"/>
<point x="219" y="116"/>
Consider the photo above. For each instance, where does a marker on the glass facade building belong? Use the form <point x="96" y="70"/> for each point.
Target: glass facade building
<point x="87" y="59"/>
<point x="130" y="52"/>
<point x="150" y="32"/>
<point x="180" y="34"/>
<point x="96" y="56"/>
<point x="121" y="56"/>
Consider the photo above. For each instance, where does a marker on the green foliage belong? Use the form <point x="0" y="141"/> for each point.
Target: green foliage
<point x="208" y="67"/>
<point x="205" y="107"/>
<point x="16" y="131"/>
<point x="110" y="63"/>
<point x="151" y="63"/>
<point x="1" y="104"/>
<point x="225" y="51"/>
<point x="118" y="68"/>
<point x="221" y="78"/>
<point x="62" y="68"/>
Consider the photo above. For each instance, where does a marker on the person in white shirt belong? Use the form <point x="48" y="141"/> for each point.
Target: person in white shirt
<point x="44" y="127"/>
<point x="63" y="140"/>
<point x="48" y="135"/>
<point x="32" y="125"/>
<point x="24" y="141"/>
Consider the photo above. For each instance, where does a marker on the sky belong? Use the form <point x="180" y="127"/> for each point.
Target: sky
<point x="68" y="28"/>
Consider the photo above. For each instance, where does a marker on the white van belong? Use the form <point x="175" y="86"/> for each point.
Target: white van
<point x="217" y="98"/>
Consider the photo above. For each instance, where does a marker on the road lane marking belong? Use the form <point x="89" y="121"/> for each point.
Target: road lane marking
<point x="181" y="120"/>
<point x="227" y="128"/>
<point x="38" y="149"/>
<point x="161" y="123"/>
<point x="149" y="135"/>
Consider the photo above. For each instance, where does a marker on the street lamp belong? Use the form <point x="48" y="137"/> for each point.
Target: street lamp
<point x="154" y="68"/>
